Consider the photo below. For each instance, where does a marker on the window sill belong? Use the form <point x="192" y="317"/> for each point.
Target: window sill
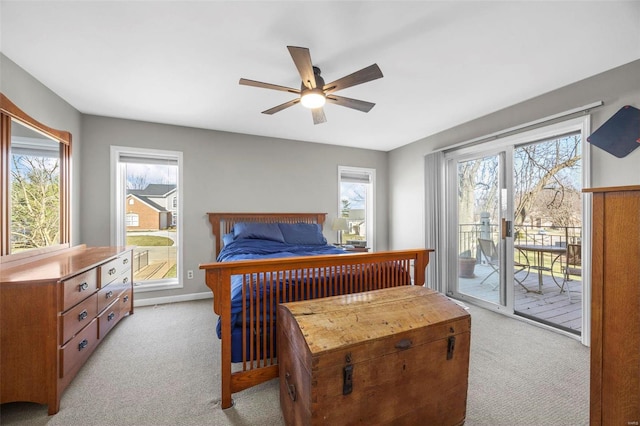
<point x="157" y="286"/>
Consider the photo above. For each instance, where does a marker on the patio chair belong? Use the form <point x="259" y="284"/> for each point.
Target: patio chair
<point x="490" y="253"/>
<point x="573" y="266"/>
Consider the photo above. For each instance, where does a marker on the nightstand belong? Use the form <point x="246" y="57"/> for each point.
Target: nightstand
<point x="356" y="249"/>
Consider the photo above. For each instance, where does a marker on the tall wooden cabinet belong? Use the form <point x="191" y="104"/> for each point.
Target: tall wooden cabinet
<point x="615" y="307"/>
<point x="54" y="311"/>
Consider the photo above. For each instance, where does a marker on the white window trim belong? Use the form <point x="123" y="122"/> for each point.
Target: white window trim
<point x="370" y="206"/>
<point x="117" y="205"/>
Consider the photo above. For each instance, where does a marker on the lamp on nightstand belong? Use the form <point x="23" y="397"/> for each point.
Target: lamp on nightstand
<point x="340" y="224"/>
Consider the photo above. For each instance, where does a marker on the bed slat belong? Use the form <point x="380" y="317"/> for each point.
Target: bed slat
<point x="330" y="275"/>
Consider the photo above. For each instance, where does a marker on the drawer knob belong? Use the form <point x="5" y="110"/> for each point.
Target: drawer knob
<point x="111" y="316"/>
<point x="125" y="280"/>
<point x="83" y="315"/>
<point x="125" y="261"/>
<point x="112" y="271"/>
<point x="126" y="298"/>
<point x="83" y="286"/>
<point x="108" y="295"/>
<point x="83" y="344"/>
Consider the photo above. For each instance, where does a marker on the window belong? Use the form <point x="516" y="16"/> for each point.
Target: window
<point x="146" y="188"/>
<point x="34" y="185"/>
<point x="35" y="192"/>
<point x="132" y="219"/>
<point x="356" y="205"/>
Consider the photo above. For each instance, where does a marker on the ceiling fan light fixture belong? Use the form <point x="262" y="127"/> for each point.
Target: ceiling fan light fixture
<point x="313" y="98"/>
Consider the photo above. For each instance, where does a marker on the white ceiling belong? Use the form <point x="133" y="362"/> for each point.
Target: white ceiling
<point x="444" y="63"/>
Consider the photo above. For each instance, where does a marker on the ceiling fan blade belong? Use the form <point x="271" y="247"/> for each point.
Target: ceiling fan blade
<point x="302" y="58"/>
<point x="363" y="106"/>
<point x="318" y="116"/>
<point x="281" y="106"/>
<point x="254" y="83"/>
<point x="372" y="72"/>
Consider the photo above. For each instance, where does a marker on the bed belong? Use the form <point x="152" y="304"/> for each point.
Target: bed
<point x="263" y="259"/>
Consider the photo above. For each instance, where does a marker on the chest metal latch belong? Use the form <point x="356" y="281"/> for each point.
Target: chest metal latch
<point x="451" y="344"/>
<point x="347" y="382"/>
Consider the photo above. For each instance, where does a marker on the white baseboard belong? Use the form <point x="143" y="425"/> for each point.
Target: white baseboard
<point x="172" y="299"/>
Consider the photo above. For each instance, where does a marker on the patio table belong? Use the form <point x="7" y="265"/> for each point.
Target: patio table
<point x="538" y="251"/>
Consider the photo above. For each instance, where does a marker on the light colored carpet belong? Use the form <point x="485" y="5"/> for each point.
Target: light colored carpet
<point x="160" y="367"/>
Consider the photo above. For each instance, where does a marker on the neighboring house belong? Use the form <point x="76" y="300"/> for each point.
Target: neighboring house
<point x="356" y="221"/>
<point x="151" y="208"/>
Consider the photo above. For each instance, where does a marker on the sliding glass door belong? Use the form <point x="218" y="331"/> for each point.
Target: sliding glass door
<point x="548" y="229"/>
<point x="479" y="230"/>
<point x="514" y="232"/>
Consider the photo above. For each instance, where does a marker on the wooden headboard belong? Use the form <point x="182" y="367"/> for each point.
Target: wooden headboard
<point x="222" y="223"/>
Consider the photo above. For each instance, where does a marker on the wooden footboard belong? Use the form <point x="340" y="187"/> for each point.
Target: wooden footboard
<point x="265" y="283"/>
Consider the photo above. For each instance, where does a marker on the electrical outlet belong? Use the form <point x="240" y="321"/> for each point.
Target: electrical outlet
<point x="189" y="275"/>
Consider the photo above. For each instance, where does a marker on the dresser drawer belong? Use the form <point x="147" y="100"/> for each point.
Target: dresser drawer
<point x="126" y="301"/>
<point x="114" y="268"/>
<point x="108" y="294"/>
<point x="78" y="288"/>
<point x="77" y="317"/>
<point x="108" y="318"/>
<point x="78" y="349"/>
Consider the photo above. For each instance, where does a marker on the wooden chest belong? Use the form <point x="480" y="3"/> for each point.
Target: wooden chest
<point x="394" y="356"/>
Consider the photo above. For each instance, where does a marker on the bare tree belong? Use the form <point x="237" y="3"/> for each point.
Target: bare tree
<point x="467" y="172"/>
<point x="546" y="184"/>
<point x="35" y="202"/>
<point x="477" y="189"/>
<point x="138" y="181"/>
<point x="543" y="166"/>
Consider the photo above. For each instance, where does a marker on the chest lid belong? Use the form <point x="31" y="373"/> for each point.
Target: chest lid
<point x="338" y="323"/>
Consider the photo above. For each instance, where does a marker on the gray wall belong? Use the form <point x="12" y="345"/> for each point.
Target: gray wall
<point x="223" y="172"/>
<point x="234" y="172"/>
<point x="616" y="88"/>
<point x="42" y="104"/>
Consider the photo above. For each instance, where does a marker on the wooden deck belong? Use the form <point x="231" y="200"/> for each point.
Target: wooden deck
<point x="153" y="271"/>
<point x="552" y="306"/>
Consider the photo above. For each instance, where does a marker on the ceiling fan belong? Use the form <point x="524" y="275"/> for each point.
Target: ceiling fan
<point x="313" y="90"/>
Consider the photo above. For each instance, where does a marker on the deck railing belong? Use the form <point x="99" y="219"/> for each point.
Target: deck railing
<point x="469" y="233"/>
<point x="140" y="260"/>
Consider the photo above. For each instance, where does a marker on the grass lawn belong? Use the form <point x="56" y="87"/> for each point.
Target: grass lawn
<point x="172" y="273"/>
<point x="148" y="241"/>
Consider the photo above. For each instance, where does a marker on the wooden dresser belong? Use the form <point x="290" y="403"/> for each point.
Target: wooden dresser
<point x="615" y="306"/>
<point x="54" y="311"/>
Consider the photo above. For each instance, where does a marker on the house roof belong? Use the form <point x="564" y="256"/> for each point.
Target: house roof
<point x="444" y="62"/>
<point x="150" y="203"/>
<point x="153" y="190"/>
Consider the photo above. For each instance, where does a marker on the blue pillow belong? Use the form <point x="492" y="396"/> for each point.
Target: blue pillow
<point x="227" y="238"/>
<point x="256" y="230"/>
<point x="302" y="233"/>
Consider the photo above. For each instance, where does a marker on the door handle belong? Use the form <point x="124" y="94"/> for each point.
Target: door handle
<point x="507" y="229"/>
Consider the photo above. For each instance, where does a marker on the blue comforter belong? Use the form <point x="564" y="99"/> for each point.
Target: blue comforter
<point x="245" y="249"/>
<point x="263" y="249"/>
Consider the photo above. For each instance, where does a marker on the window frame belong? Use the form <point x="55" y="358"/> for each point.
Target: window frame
<point x="370" y="201"/>
<point x="118" y="211"/>
<point x="8" y="112"/>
